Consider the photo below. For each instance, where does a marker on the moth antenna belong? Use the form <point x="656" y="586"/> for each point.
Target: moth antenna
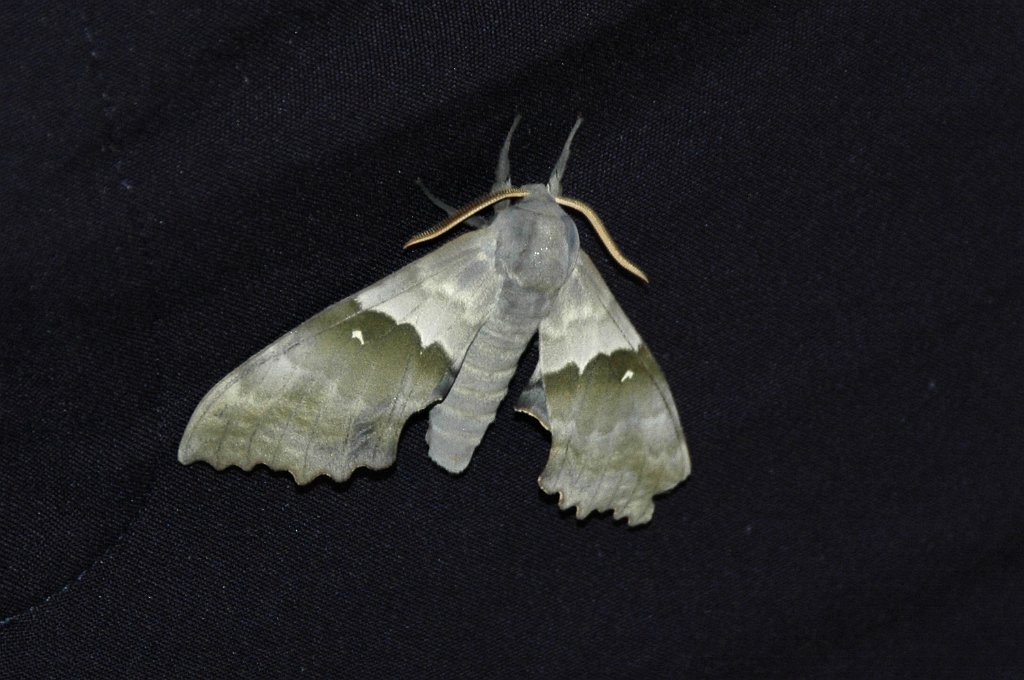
<point x="602" y="232"/>
<point x="555" y="182"/>
<point x="503" y="176"/>
<point x="467" y="212"/>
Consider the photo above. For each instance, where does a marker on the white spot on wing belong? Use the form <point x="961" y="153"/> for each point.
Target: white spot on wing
<point x="626" y="376"/>
<point x="358" y="335"/>
<point x="442" y="309"/>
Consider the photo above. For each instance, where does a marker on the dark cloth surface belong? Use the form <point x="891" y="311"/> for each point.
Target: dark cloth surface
<point x="827" y="198"/>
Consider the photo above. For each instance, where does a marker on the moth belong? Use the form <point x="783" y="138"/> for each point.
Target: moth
<point x="333" y="394"/>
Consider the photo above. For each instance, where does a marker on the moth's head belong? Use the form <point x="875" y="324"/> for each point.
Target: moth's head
<point x="546" y="200"/>
<point x="538" y="199"/>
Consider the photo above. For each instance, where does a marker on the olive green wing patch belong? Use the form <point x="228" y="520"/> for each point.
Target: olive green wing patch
<point x="333" y="394"/>
<point x="616" y="437"/>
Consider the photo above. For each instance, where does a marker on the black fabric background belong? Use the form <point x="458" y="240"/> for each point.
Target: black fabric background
<point x="827" y="199"/>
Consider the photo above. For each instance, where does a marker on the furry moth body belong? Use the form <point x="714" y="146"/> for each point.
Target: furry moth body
<point x="333" y="394"/>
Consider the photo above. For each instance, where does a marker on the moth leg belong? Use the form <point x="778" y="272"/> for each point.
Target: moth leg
<point x="555" y="182"/>
<point x="476" y="222"/>
<point x="502" y="180"/>
<point x="503" y="175"/>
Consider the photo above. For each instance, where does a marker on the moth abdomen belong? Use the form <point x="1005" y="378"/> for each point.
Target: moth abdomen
<point x="459" y="422"/>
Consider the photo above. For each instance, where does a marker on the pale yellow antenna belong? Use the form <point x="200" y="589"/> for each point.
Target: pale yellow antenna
<point x="505" y="194"/>
<point x="467" y="212"/>
<point x="602" y="233"/>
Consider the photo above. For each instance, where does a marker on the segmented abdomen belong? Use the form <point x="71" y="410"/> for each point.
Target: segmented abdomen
<point x="458" y="423"/>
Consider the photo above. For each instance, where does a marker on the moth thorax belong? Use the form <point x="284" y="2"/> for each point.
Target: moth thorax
<point x="536" y="250"/>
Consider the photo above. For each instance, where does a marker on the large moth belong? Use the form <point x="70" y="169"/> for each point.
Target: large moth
<point x="333" y="394"/>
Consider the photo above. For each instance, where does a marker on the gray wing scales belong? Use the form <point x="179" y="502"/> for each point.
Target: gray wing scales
<point x="333" y="394"/>
<point x="616" y="437"/>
